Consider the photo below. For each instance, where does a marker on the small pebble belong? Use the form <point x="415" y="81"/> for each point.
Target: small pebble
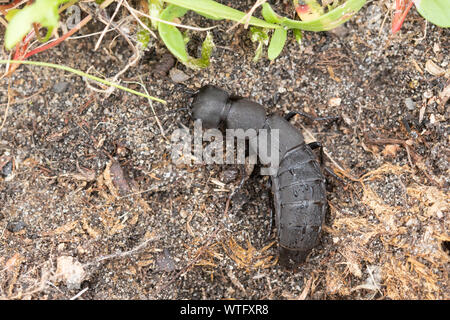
<point x="15" y="226"/>
<point x="411" y="222"/>
<point x="239" y="200"/>
<point x="183" y="213"/>
<point x="7" y="169"/>
<point x="60" y="87"/>
<point x="427" y="94"/>
<point x="436" y="48"/>
<point x="165" y="262"/>
<point x="229" y="175"/>
<point x="340" y="31"/>
<point x="166" y="62"/>
<point x="71" y="271"/>
<point x="432" y="119"/>
<point x="61" y="246"/>
<point x="410" y="104"/>
<point x="178" y="76"/>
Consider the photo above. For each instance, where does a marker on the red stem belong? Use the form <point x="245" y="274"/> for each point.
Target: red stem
<point x="400" y="15"/>
<point x="59" y="40"/>
<point x="5" y="7"/>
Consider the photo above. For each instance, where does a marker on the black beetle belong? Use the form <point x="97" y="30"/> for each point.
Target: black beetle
<point x="298" y="186"/>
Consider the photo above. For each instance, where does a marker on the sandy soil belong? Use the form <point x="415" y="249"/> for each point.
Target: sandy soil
<point x="90" y="200"/>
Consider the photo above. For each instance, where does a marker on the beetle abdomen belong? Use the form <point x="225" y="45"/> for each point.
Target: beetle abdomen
<point x="300" y="203"/>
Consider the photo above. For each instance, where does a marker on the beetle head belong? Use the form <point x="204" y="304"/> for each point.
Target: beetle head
<point x="210" y="105"/>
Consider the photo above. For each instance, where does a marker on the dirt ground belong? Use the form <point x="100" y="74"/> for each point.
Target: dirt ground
<point x="91" y="204"/>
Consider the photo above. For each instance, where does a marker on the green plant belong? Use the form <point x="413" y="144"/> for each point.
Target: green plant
<point x="435" y="11"/>
<point x="259" y="31"/>
<point x="261" y="36"/>
<point x="44" y="12"/>
<point x="324" y="21"/>
<point x="176" y="42"/>
<point x="83" y="74"/>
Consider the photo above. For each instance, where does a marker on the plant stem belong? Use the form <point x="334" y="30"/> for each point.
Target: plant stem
<point x="82" y="74"/>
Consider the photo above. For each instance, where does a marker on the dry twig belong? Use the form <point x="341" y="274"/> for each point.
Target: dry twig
<point x="248" y="16"/>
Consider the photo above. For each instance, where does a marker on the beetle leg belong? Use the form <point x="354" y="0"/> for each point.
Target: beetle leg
<point x="191" y="92"/>
<point x="334" y="175"/>
<point x="271" y="207"/>
<point x="241" y="183"/>
<point x="315" y="145"/>
<point x="308" y="116"/>
<point x="270" y="224"/>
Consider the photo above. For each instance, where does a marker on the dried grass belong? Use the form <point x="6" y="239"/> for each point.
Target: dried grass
<point x="405" y="242"/>
<point x="248" y="258"/>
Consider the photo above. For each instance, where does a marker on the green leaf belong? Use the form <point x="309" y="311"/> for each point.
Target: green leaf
<point x="155" y="8"/>
<point x="259" y="35"/>
<point x="258" y="52"/>
<point x="11" y="13"/>
<point x="207" y="48"/>
<point x="298" y="36"/>
<point x="44" y="12"/>
<point x="435" y="11"/>
<point x="170" y="35"/>
<point x="328" y="21"/>
<point x="210" y="8"/>
<point x="269" y="15"/>
<point x="143" y="37"/>
<point x="277" y="43"/>
<point x="176" y="42"/>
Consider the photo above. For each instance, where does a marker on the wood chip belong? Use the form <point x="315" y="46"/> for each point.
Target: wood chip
<point x="445" y="94"/>
<point x="305" y="291"/>
<point x="94" y="233"/>
<point x="57" y="136"/>
<point x="332" y="75"/>
<point x="391" y="150"/>
<point x="434" y="69"/>
<point x="334" y="102"/>
<point x="71" y="271"/>
<point x="63" y="229"/>
<point x="115" y="179"/>
<point x="13" y="262"/>
<point x="83" y="174"/>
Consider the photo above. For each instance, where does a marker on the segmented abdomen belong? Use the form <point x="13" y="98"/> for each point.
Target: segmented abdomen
<point x="300" y="203"/>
